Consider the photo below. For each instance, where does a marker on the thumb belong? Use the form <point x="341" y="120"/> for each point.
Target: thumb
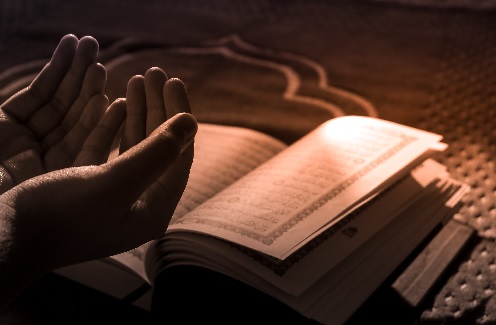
<point x="131" y="173"/>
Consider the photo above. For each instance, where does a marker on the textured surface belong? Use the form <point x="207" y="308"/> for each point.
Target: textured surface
<point x="429" y="65"/>
<point x="463" y="108"/>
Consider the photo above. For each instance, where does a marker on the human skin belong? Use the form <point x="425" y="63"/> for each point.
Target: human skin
<point x="63" y="202"/>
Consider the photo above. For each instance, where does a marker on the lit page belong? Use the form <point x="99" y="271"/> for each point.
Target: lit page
<point x="310" y="185"/>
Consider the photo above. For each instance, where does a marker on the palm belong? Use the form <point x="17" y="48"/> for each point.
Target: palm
<point x="19" y="146"/>
<point x="44" y="126"/>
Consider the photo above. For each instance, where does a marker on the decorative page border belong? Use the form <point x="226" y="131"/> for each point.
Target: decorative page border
<point x="274" y="235"/>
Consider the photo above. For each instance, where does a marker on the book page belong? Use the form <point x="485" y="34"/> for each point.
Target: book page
<point x="300" y="192"/>
<point x="223" y="154"/>
<point x="326" y="251"/>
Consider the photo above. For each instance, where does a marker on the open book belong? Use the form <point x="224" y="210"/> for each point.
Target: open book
<point x="318" y="224"/>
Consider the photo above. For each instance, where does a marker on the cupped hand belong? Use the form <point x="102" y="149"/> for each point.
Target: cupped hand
<point x="43" y="127"/>
<point x="81" y="213"/>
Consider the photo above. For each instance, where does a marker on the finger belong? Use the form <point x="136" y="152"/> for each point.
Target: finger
<point x="47" y="121"/>
<point x="159" y="202"/>
<point x="93" y="84"/>
<point x="64" y="153"/>
<point x="94" y="81"/>
<point x="163" y="196"/>
<point x="134" y="129"/>
<point x="154" y="83"/>
<point x="131" y="173"/>
<point x="68" y="90"/>
<point x="43" y="87"/>
<point x="70" y="87"/>
<point x="96" y="148"/>
<point x="175" y="97"/>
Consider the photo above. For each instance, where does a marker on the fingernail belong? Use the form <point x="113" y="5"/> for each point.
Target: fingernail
<point x="188" y="126"/>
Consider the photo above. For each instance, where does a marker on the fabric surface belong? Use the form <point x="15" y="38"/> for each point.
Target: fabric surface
<point x="277" y="66"/>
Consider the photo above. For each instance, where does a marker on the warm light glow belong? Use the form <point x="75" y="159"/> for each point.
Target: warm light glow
<point x="342" y="130"/>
